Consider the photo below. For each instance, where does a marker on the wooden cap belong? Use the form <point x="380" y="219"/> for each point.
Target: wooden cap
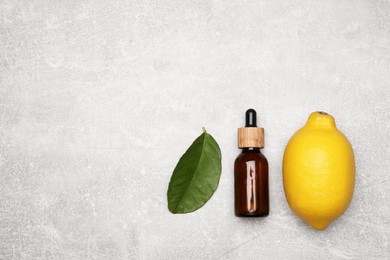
<point x="250" y="137"/>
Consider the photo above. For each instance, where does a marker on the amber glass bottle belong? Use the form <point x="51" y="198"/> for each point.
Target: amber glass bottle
<point x="251" y="171"/>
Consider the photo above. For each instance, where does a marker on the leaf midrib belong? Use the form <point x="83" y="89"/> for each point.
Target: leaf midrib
<point x="196" y="171"/>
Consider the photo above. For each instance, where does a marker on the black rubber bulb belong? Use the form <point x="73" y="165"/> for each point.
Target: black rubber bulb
<point x="250" y="118"/>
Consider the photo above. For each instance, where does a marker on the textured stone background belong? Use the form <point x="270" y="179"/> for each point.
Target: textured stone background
<point x="99" y="99"/>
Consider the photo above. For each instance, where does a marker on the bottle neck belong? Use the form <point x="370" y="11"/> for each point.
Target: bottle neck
<point x="251" y="150"/>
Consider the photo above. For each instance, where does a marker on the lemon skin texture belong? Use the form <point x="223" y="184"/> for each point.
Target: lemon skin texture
<point x="319" y="171"/>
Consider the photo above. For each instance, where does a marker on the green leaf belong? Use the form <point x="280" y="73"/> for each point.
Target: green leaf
<point x="196" y="175"/>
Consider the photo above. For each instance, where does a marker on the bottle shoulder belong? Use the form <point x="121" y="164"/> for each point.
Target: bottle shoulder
<point x="251" y="156"/>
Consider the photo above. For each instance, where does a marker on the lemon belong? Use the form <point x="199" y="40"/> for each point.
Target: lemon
<point x="319" y="171"/>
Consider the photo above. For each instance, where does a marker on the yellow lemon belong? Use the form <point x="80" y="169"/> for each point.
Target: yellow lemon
<point x="319" y="171"/>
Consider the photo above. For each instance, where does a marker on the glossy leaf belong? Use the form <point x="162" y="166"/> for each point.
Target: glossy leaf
<point x="196" y="175"/>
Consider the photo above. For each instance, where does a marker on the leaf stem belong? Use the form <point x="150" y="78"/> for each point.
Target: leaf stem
<point x="204" y="130"/>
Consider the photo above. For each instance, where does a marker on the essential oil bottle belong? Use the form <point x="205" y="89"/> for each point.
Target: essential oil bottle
<point x="251" y="171"/>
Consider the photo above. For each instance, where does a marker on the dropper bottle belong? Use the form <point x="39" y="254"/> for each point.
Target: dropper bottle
<point x="251" y="171"/>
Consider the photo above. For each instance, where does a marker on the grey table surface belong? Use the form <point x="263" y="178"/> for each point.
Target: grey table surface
<point x="99" y="99"/>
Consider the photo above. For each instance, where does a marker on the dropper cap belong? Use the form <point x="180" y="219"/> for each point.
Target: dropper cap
<point x="250" y="118"/>
<point x="250" y="136"/>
